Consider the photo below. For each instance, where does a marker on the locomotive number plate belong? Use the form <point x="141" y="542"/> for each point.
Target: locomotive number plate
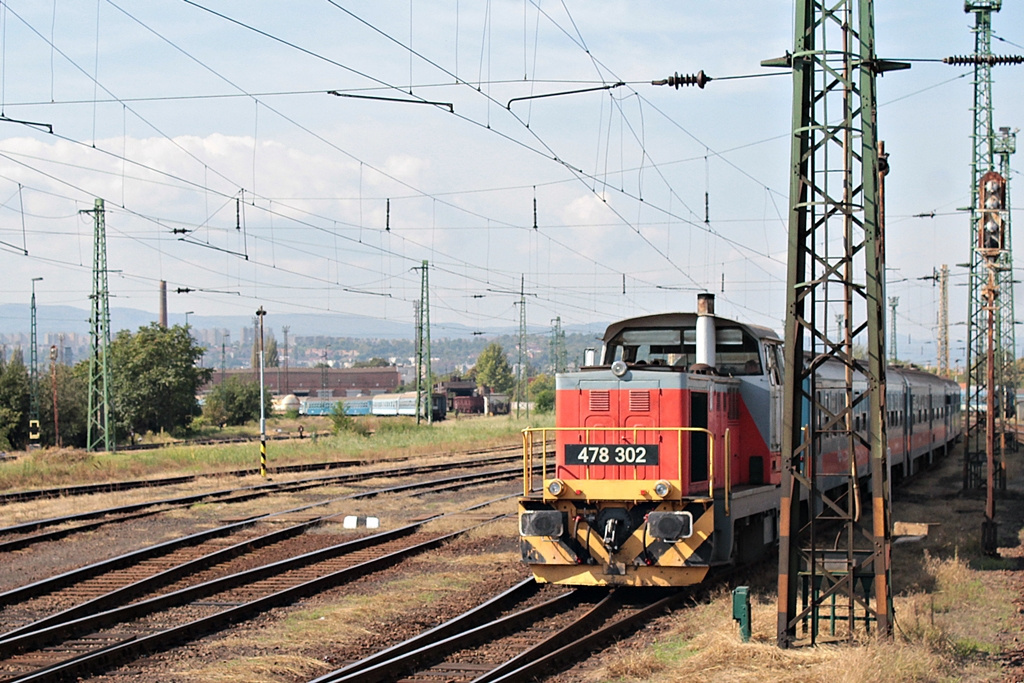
<point x="611" y="454"/>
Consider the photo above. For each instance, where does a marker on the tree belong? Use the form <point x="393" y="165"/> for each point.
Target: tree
<point x="14" y="402"/>
<point x="492" y="369"/>
<point x="235" y="401"/>
<point x="372" y="363"/>
<point x="542" y="388"/>
<point x="271" y="358"/>
<point x="155" y="379"/>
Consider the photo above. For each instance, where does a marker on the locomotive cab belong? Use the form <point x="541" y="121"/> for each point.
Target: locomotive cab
<point x="655" y="455"/>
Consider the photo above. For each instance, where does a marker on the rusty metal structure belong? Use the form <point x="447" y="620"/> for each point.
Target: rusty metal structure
<point x="832" y="550"/>
<point x="989" y="390"/>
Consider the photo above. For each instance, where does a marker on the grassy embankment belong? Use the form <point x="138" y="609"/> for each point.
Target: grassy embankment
<point x="388" y="438"/>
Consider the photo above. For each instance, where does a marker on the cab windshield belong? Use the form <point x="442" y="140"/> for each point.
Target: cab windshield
<point x="737" y="352"/>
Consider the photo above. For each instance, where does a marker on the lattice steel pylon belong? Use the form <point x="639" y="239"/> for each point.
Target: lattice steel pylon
<point x="984" y="293"/>
<point x="836" y="268"/>
<point x="99" y="429"/>
<point x="424" y="375"/>
<point x="1004" y="144"/>
<point x="894" y="354"/>
<point x="558" y="354"/>
<point x="944" y="321"/>
<point x="33" y="372"/>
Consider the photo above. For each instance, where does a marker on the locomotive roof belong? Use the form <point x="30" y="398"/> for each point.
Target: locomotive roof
<point x="682" y="320"/>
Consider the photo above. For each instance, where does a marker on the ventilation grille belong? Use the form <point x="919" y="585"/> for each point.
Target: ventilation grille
<point x="600" y="401"/>
<point x="639" y="401"/>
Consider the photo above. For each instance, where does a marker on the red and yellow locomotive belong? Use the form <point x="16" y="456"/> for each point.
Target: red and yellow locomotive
<point x="665" y="457"/>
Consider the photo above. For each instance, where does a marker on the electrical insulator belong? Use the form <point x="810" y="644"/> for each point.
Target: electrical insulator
<point x="699" y="79"/>
<point x="991" y="201"/>
<point x="991" y="60"/>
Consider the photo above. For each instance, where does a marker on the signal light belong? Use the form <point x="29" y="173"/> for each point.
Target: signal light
<point x="991" y="204"/>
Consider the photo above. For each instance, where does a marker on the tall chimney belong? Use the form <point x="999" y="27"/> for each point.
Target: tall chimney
<point x="163" y="304"/>
<point x="706" y="329"/>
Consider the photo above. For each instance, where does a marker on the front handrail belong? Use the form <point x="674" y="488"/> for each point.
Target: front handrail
<point x="529" y="439"/>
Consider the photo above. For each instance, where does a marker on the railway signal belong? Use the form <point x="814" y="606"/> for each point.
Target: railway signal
<point x="991" y="206"/>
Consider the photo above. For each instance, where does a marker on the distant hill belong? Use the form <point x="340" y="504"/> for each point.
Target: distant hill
<point x="14" y="319"/>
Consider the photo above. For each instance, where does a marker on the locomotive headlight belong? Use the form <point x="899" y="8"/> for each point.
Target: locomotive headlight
<point x="619" y="368"/>
<point x="556" y="487"/>
<point x="662" y="488"/>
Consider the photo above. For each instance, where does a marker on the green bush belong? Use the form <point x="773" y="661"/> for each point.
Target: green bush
<point x="235" y="402"/>
<point x="342" y="423"/>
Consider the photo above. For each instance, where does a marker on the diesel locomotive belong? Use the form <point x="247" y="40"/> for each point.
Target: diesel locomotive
<point x="665" y="456"/>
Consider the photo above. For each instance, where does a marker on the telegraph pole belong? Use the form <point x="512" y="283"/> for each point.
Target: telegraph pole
<point x="285" y="329"/>
<point x="99" y="430"/>
<point x="53" y="385"/>
<point x="834" y="199"/>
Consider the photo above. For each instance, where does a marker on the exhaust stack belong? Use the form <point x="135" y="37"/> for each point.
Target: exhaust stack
<point x="706" y="329"/>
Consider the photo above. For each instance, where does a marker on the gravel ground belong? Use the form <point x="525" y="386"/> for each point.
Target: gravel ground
<point x="261" y="649"/>
<point x="321" y="633"/>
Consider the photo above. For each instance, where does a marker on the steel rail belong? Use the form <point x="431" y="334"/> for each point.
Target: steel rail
<point x="528" y="668"/>
<point x="287" y="487"/>
<point x="564" y="647"/>
<point x="98" y="661"/>
<point x="132" y="484"/>
<point x="470" y="619"/>
<point x="432" y="652"/>
<point x="66" y="579"/>
<point x="240" y="494"/>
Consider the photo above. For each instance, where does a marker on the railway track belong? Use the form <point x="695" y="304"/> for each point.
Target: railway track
<point x="118" y="580"/>
<point x="502" y="640"/>
<point x="25" y="534"/>
<point x="129" y="485"/>
<point x="101" y="640"/>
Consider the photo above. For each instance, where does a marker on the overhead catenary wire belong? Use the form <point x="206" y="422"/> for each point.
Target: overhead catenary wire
<point x="547" y="227"/>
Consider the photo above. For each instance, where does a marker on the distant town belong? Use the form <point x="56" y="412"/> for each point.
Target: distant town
<point x="233" y="349"/>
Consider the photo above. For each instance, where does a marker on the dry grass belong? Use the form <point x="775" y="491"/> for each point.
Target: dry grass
<point x="954" y="610"/>
<point x="703" y="644"/>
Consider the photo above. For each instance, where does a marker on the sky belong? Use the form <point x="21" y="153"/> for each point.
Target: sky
<point x="227" y="168"/>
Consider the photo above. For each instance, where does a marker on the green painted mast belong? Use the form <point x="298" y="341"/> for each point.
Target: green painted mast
<point x="99" y="430"/>
<point x="836" y="271"/>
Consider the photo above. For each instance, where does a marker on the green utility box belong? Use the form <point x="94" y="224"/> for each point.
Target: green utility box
<point x="741" y="610"/>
